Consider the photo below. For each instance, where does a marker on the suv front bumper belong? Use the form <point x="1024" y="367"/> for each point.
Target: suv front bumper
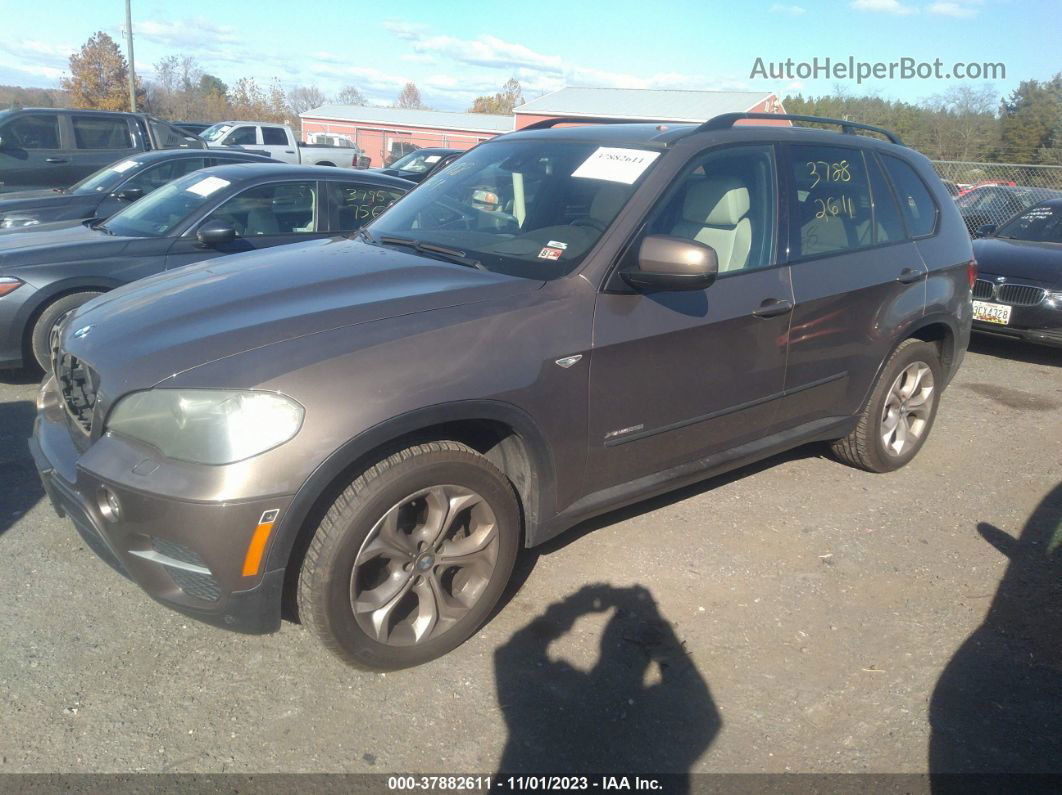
<point x="187" y="555"/>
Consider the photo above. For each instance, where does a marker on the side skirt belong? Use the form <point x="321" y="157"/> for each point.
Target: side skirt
<point x="614" y="497"/>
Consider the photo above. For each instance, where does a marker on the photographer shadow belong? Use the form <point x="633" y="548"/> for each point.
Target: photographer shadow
<point x="20" y="487"/>
<point x="642" y="709"/>
<point x="997" y="706"/>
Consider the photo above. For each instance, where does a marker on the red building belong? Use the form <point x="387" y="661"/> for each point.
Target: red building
<point x="381" y="132"/>
<point x="384" y="132"/>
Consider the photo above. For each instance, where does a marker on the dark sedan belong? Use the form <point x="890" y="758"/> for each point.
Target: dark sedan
<point x="1018" y="291"/>
<point x="113" y="187"/>
<point x="46" y="272"/>
<point x="420" y="163"/>
<point x="994" y="204"/>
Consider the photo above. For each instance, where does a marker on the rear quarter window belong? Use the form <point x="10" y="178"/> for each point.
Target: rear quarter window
<point x="101" y="132"/>
<point x="917" y="205"/>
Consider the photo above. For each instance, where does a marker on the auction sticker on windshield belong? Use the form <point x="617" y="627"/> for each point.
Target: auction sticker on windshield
<point x="124" y="166"/>
<point x="616" y="165"/>
<point x="207" y="185"/>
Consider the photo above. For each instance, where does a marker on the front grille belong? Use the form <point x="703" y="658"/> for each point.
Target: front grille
<point x="1021" y="294"/>
<point x="1013" y="294"/>
<point x="77" y="383"/>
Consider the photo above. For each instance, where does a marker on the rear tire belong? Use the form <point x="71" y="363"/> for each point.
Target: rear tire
<point x="898" y="417"/>
<point x="411" y="558"/>
<point x="46" y="321"/>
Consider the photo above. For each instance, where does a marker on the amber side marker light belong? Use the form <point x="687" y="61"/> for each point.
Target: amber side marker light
<point x="253" y="561"/>
<point x="9" y="284"/>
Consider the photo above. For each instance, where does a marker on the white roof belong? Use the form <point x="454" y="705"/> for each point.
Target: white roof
<point x="641" y="103"/>
<point x="435" y="119"/>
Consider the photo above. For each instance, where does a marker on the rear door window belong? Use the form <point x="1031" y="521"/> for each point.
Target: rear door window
<point x="101" y="132"/>
<point x="916" y="204"/>
<point x="32" y="131"/>
<point x="274" y="136"/>
<point x="829" y="201"/>
<point x="354" y="204"/>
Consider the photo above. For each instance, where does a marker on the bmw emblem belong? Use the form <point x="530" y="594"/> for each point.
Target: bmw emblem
<point x="1001" y="279"/>
<point x="82" y="332"/>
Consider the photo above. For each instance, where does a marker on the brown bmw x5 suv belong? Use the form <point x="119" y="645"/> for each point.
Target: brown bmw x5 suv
<point x="363" y="431"/>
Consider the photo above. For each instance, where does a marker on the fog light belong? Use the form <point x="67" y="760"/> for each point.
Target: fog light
<point x="110" y="505"/>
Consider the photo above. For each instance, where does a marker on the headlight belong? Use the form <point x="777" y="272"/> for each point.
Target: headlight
<point x="1055" y="300"/>
<point x="207" y="426"/>
<point x="12" y="221"/>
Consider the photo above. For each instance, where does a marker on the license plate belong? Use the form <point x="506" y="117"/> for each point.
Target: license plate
<point x="991" y="313"/>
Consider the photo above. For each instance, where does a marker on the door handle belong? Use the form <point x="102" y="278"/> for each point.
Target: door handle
<point x="773" y="307"/>
<point x="910" y="276"/>
<point x="55" y="160"/>
<point x="289" y="151"/>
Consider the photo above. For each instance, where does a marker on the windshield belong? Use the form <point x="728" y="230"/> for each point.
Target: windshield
<point x="527" y="208"/>
<point x="1041" y="224"/>
<point x="417" y="162"/>
<point x="158" y="213"/>
<point x="106" y="179"/>
<point x="215" y="131"/>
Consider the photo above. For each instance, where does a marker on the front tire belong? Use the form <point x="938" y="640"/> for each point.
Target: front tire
<point x="410" y="559"/>
<point x="54" y="312"/>
<point x="896" y="420"/>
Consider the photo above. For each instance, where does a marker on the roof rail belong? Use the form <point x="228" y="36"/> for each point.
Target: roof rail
<point x="545" y="124"/>
<point x="727" y="120"/>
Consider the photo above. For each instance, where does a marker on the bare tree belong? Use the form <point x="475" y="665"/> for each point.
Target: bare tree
<point x="350" y="95"/>
<point x="304" y="98"/>
<point x="410" y="98"/>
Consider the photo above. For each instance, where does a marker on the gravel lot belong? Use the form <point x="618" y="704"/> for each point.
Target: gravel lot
<point x="794" y="616"/>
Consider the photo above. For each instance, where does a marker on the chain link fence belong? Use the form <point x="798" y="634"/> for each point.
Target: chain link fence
<point x="992" y="193"/>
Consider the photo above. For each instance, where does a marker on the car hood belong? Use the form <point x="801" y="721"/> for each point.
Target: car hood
<point x="1023" y="259"/>
<point x="47" y="204"/>
<point x="61" y="241"/>
<point x="147" y="331"/>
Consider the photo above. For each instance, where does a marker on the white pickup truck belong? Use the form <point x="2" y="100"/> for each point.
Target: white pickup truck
<point x="279" y="142"/>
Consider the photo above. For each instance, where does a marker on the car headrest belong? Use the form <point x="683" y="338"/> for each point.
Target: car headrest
<point x="716" y="201"/>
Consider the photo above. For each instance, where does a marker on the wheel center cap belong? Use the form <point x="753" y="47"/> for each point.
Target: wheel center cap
<point x="425" y="562"/>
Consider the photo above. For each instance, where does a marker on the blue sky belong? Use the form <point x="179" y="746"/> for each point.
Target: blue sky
<point x="458" y="49"/>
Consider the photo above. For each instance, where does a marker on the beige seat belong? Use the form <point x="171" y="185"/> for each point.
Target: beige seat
<point x="715" y="212"/>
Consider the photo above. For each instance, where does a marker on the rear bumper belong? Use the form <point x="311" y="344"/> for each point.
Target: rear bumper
<point x="186" y="555"/>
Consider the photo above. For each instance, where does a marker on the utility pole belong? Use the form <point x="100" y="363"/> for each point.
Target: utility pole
<point x="129" y="44"/>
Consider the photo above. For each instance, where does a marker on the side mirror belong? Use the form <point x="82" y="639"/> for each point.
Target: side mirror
<point x="216" y="233"/>
<point x="131" y="194"/>
<point x="673" y="263"/>
<point x="986" y="230"/>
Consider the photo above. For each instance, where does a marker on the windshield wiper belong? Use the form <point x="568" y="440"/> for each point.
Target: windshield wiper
<point x="450" y="254"/>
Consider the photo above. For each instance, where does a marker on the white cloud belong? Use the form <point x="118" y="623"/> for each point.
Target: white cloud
<point x="538" y="72"/>
<point x="793" y="11"/>
<point x="886" y="6"/>
<point x="960" y="9"/>
<point x="190" y="33"/>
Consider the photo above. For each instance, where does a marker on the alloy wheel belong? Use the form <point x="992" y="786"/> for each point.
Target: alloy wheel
<point x="424" y="565"/>
<point x="908" y="404"/>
